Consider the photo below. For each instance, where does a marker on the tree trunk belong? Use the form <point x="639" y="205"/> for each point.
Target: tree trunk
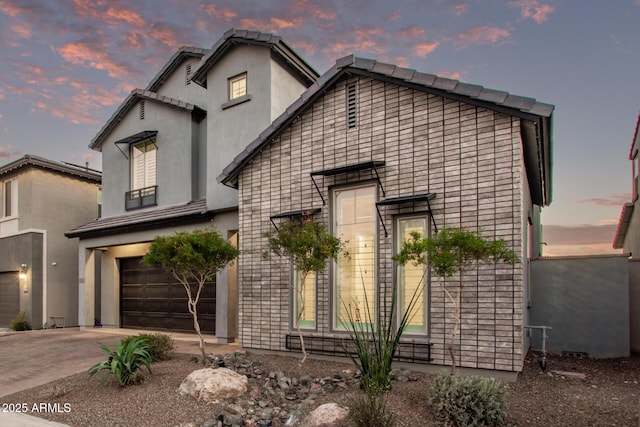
<point x="196" y="326"/>
<point x="303" y="279"/>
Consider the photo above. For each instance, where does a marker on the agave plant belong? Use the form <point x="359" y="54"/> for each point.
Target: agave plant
<point x="125" y="360"/>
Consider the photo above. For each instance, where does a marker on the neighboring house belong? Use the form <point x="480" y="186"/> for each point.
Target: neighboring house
<point x="161" y="152"/>
<point x="627" y="235"/>
<point x="374" y="152"/>
<point x="40" y="200"/>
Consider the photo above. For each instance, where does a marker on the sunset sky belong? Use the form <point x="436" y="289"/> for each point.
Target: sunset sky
<point x="66" y="65"/>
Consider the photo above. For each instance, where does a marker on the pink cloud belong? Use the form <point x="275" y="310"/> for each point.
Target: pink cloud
<point x="22" y="30"/>
<point x="482" y="34"/>
<point x="7" y="152"/>
<point x="450" y="74"/>
<point x="219" y="12"/>
<point x="532" y="9"/>
<point x="579" y="250"/>
<point x="423" y="49"/>
<point x="401" y="61"/>
<point x="586" y="234"/>
<point x="314" y="10"/>
<point x="412" y="32"/>
<point x="366" y="39"/>
<point x="281" y="23"/>
<point x="165" y="34"/>
<point x="129" y="16"/>
<point x="460" y="9"/>
<point x="393" y="16"/>
<point x="615" y="200"/>
<point x="17" y="8"/>
<point x="83" y="53"/>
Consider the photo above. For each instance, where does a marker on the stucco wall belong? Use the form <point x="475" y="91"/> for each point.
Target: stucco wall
<point x="631" y="244"/>
<point x="26" y="248"/>
<point x="470" y="157"/>
<point x="174" y="162"/>
<point x="634" y="304"/>
<point x="586" y="302"/>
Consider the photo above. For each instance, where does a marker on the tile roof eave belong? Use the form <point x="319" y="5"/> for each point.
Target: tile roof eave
<point x="527" y="108"/>
<point x="234" y="36"/>
<point x="29" y="159"/>
<point x="128" y="103"/>
<point x="187" y="213"/>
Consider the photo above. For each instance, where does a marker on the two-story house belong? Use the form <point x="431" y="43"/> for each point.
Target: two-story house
<point x="375" y="152"/>
<point x="161" y="152"/>
<point x="39" y="200"/>
<point x="627" y="235"/>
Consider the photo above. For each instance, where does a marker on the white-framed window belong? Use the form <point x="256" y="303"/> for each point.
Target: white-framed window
<point x="304" y="301"/>
<point x="412" y="280"/>
<point x="10" y="198"/>
<point x="237" y="86"/>
<point x="354" y="276"/>
<point x="143" y="164"/>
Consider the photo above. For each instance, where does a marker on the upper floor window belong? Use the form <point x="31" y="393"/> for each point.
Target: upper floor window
<point x="238" y="86"/>
<point x="143" y="176"/>
<point x="143" y="164"/>
<point x="10" y="198"/>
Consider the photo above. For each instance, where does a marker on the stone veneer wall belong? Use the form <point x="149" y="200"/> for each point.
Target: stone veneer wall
<point x="470" y="157"/>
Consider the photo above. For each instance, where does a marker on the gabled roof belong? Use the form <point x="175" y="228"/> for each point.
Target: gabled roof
<point x="192" y="212"/>
<point x="129" y="102"/>
<point x="185" y="52"/>
<point x="537" y="135"/>
<point x="281" y="51"/>
<point x="64" y="168"/>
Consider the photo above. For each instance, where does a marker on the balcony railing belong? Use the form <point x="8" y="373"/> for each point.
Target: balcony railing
<point x="141" y="198"/>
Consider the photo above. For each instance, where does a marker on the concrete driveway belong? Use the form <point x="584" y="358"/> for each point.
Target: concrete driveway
<point x="32" y="358"/>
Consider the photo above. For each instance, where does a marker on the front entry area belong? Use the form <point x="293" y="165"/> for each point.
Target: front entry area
<point x="151" y="298"/>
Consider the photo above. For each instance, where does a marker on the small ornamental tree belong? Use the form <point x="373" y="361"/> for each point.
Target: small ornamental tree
<point x="192" y="257"/>
<point x="454" y="251"/>
<point x="308" y="245"/>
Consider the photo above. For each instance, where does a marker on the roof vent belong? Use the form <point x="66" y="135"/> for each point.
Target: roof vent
<point x="351" y="107"/>
<point x="141" y="110"/>
<point x="187" y="76"/>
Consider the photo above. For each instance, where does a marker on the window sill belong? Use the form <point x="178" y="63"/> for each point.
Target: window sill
<point x="8" y="218"/>
<point x="236" y="101"/>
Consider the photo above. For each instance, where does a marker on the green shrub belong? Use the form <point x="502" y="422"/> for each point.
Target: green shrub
<point x="124" y="362"/>
<point x="161" y="346"/>
<point x="370" y="410"/>
<point x="469" y="401"/>
<point x="20" y="323"/>
<point x="376" y="342"/>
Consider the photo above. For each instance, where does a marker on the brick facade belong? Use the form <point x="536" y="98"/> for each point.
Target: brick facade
<point x="471" y="157"/>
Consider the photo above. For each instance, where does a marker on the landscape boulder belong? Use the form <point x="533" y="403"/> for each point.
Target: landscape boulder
<point x="327" y="415"/>
<point x="211" y="385"/>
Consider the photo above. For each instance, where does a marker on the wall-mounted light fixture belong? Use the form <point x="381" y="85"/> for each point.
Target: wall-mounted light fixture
<point x="22" y="275"/>
<point x="23" y="272"/>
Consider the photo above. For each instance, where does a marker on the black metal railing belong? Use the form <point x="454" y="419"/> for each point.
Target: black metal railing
<point x="408" y="351"/>
<point x="141" y="198"/>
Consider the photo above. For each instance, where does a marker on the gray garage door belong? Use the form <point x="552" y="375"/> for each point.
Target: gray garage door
<point x="152" y="299"/>
<point x="9" y="298"/>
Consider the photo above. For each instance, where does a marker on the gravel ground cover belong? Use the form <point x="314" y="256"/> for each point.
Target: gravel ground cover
<point x="573" y="391"/>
